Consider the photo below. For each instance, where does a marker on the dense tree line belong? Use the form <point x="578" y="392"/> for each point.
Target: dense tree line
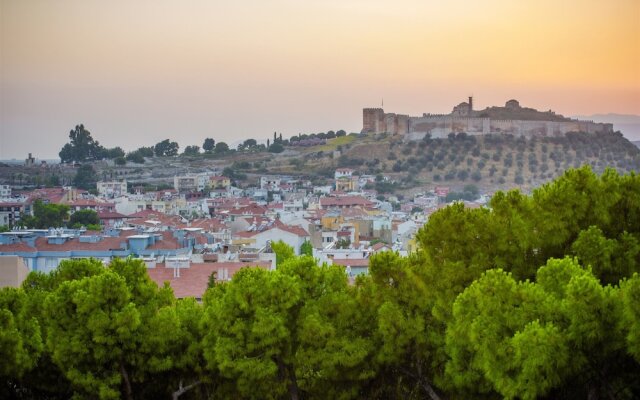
<point x="534" y="297"/>
<point x="47" y="216"/>
<point x="82" y="147"/>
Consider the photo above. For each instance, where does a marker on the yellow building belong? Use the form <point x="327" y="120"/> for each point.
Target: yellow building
<point x="219" y="182"/>
<point x="347" y="184"/>
<point x="331" y="221"/>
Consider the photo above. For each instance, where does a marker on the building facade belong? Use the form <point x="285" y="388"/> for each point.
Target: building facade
<point x="511" y="119"/>
<point x="112" y="189"/>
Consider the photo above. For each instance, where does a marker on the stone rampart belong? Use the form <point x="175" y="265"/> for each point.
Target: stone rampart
<point x="440" y="125"/>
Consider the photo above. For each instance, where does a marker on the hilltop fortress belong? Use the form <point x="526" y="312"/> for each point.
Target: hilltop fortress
<point x="510" y="119"/>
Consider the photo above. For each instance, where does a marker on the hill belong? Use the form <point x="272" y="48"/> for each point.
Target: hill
<point x="491" y="162"/>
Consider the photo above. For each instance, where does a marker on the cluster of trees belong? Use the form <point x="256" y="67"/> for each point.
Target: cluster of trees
<point x="321" y="135"/>
<point x="138" y="156"/>
<point x="534" y="297"/>
<point x="85" y="177"/>
<point x="276" y="145"/>
<point x="469" y="193"/>
<point x="210" y="146"/>
<point x="47" y="216"/>
<point x="166" y="148"/>
<point x="82" y="147"/>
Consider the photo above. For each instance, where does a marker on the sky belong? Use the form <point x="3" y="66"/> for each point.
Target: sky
<point x="137" y="72"/>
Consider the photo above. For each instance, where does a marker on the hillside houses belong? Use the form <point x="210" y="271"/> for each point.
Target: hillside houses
<point x="260" y="233"/>
<point x="111" y="189"/>
<point x="184" y="238"/>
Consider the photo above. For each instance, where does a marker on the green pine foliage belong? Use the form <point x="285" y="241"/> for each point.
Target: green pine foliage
<point x="533" y="297"/>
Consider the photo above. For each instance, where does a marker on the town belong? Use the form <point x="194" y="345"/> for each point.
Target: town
<point x="213" y="219"/>
<point x="319" y="200"/>
<point x="184" y="237"/>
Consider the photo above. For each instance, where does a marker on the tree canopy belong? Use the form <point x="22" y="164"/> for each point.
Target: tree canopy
<point x="85" y="177"/>
<point x="221" y="147"/>
<point x="166" y="148"/>
<point x="82" y="147"/>
<point x="191" y="150"/>
<point x="208" y="145"/>
<point x="84" y="218"/>
<point x="46" y="216"/>
<point x="533" y="297"/>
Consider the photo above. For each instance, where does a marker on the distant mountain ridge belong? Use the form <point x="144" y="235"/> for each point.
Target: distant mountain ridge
<point x="628" y="124"/>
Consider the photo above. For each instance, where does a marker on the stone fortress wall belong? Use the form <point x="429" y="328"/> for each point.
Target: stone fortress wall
<point x="464" y="119"/>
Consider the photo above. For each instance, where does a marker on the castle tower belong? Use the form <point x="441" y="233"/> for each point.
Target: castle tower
<point x="373" y="120"/>
<point x="470" y="104"/>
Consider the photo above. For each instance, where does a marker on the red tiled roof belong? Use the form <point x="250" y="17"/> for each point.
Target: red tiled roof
<point x="105" y="244"/>
<point x="53" y="195"/>
<point x="318" y="213"/>
<point x="145" y="214"/>
<point x="20" y="247"/>
<point x="166" y="242"/>
<point x="379" y="246"/>
<point x="208" y="224"/>
<point x="193" y="280"/>
<point x="111" y="215"/>
<point x="344" y="201"/>
<point x="84" y="202"/>
<point x="352" y="262"/>
<point x="246" y="234"/>
<point x="253" y="209"/>
<point x="127" y="233"/>
<point x="353" y="212"/>
<point x="257" y="220"/>
<point x="296" y="230"/>
<point x="11" y="204"/>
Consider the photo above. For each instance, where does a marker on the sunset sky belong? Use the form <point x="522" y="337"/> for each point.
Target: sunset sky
<point x="137" y="72"/>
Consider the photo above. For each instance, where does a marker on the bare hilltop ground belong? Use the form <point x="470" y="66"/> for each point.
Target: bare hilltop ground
<point x="491" y="162"/>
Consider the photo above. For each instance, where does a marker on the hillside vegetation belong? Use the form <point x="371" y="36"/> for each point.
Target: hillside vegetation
<point x="535" y="297"/>
<point x="491" y="162"/>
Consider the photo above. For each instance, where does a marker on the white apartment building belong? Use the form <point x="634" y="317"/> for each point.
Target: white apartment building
<point x="191" y="182"/>
<point x="111" y="188"/>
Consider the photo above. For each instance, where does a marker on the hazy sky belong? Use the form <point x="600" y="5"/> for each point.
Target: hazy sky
<point x="137" y="72"/>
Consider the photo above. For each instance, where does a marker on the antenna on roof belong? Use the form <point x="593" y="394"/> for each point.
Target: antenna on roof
<point x="382" y="102"/>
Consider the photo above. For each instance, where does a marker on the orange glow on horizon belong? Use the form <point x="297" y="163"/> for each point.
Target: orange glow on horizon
<point x="302" y="66"/>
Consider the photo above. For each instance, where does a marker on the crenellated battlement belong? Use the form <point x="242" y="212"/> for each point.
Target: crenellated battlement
<point x="465" y="119"/>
